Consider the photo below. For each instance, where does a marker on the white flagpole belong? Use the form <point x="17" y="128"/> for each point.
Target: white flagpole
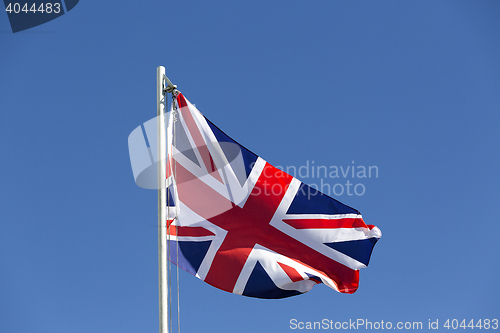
<point x="162" y="200"/>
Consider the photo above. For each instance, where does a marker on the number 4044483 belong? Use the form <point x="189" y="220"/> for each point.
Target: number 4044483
<point x="479" y="324"/>
<point x="47" y="8"/>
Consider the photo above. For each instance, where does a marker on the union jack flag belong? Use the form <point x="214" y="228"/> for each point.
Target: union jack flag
<point x="246" y="227"/>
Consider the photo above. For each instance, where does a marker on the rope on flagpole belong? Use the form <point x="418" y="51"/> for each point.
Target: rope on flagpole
<point x="167" y="226"/>
<point x="174" y="109"/>
<point x="172" y="89"/>
<point x="169" y="270"/>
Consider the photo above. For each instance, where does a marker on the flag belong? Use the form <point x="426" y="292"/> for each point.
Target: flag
<point x="246" y="227"/>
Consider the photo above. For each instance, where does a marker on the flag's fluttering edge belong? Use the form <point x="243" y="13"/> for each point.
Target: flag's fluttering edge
<point x="246" y="227"/>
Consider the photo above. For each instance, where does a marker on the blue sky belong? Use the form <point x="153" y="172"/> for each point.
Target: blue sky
<point x="409" y="87"/>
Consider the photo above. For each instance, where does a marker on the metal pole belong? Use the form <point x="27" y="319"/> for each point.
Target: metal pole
<point x="162" y="201"/>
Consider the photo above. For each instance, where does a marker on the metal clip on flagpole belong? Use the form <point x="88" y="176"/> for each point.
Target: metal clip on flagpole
<point x="170" y="87"/>
<point x="161" y="91"/>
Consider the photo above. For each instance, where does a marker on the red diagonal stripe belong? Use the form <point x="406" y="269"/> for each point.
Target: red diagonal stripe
<point x="198" y="138"/>
<point x="291" y="272"/>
